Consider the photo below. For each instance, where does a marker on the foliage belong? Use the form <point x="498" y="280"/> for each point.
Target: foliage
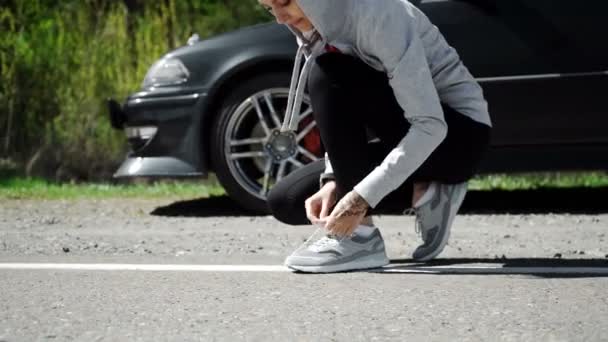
<point x="34" y="188"/>
<point x="12" y="187"/>
<point x="530" y="181"/>
<point x="60" y="60"/>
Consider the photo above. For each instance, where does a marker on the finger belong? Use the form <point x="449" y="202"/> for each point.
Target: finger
<point x="310" y="214"/>
<point x="329" y="224"/>
<point x="324" y="210"/>
<point x="321" y="223"/>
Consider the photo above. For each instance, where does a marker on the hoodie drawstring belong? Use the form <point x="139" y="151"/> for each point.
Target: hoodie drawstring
<point x="299" y="79"/>
<point x="293" y="89"/>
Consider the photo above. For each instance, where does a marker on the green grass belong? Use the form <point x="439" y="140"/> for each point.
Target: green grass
<point x="529" y="181"/>
<point x="23" y="188"/>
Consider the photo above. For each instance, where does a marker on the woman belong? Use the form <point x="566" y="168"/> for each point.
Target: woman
<point x="378" y="68"/>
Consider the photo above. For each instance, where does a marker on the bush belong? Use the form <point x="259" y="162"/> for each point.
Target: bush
<point x="60" y="60"/>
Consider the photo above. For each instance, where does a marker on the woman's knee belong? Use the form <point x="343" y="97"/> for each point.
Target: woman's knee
<point x="331" y="69"/>
<point x="284" y="208"/>
<point x="330" y="92"/>
<point x="342" y="70"/>
<point x="286" y="199"/>
<point x="318" y="80"/>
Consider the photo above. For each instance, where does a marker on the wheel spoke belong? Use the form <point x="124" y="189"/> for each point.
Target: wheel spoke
<point x="295" y="162"/>
<point x="245" y="155"/>
<point x="267" y="174"/>
<point x="258" y="110"/>
<point x="307" y="153"/>
<point x="306" y="130"/>
<point x="282" y="169"/>
<point x="273" y="111"/>
<point x="250" y="141"/>
<point x="305" y="114"/>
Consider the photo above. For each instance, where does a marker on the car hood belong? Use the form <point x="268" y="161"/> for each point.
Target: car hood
<point x="252" y="35"/>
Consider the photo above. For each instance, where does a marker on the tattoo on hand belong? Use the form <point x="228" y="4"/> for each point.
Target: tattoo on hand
<point x="353" y="205"/>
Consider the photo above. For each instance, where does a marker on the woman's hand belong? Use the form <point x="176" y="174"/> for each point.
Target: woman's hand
<point x="319" y="204"/>
<point x="347" y="215"/>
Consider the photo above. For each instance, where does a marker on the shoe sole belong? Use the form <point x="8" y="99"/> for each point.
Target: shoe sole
<point x="437" y="250"/>
<point x="446" y="236"/>
<point x="371" y="261"/>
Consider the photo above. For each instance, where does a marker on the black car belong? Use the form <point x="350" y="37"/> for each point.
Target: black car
<point x="213" y="105"/>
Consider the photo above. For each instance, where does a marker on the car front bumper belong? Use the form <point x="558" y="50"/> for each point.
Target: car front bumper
<point x="164" y="133"/>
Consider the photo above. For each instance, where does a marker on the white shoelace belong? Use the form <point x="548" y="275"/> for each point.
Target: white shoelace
<point x="326" y="240"/>
<point x="418" y="224"/>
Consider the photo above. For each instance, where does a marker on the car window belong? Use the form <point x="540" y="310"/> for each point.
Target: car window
<point x="582" y="30"/>
<point x="486" y="43"/>
<point x="567" y="33"/>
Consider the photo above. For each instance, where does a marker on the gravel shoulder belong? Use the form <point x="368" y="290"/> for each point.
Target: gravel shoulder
<point x="59" y="305"/>
<point x="117" y="229"/>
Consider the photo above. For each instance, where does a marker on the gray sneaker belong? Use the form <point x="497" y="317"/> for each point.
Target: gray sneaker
<point x="333" y="254"/>
<point x="434" y="216"/>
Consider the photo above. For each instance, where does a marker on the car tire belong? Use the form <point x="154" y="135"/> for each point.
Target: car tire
<point x="248" y="179"/>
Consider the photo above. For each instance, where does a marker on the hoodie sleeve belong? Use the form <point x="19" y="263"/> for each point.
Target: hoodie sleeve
<point x="393" y="40"/>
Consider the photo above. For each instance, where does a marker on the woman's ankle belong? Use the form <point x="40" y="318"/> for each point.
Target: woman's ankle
<point x="420" y="189"/>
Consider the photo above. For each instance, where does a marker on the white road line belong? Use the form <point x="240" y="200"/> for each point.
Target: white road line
<point x="394" y="268"/>
<point x="498" y="269"/>
<point x="144" y="267"/>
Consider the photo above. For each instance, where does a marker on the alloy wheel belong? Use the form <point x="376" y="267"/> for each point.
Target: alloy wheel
<point x="258" y="154"/>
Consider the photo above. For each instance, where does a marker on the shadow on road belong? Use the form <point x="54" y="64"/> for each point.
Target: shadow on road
<point x="203" y="207"/>
<point x="538" y="267"/>
<point x="540" y="201"/>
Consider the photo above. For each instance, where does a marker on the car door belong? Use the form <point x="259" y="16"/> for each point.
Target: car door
<point x="578" y="80"/>
<point x="541" y="64"/>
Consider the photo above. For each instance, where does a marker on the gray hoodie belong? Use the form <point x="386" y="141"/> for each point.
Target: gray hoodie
<point x="395" y="37"/>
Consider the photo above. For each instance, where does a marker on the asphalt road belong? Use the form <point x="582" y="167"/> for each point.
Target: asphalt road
<point x="523" y="277"/>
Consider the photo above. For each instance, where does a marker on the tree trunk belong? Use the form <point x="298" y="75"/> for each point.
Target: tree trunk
<point x="9" y="127"/>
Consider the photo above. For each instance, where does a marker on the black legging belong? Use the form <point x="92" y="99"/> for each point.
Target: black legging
<point x="350" y="99"/>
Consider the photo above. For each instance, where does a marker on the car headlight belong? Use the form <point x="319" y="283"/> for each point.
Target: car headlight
<point x="166" y="72"/>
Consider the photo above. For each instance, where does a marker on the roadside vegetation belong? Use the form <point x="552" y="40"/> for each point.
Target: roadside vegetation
<point x="60" y="61"/>
<point x="530" y="181"/>
<point x="23" y="188"/>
